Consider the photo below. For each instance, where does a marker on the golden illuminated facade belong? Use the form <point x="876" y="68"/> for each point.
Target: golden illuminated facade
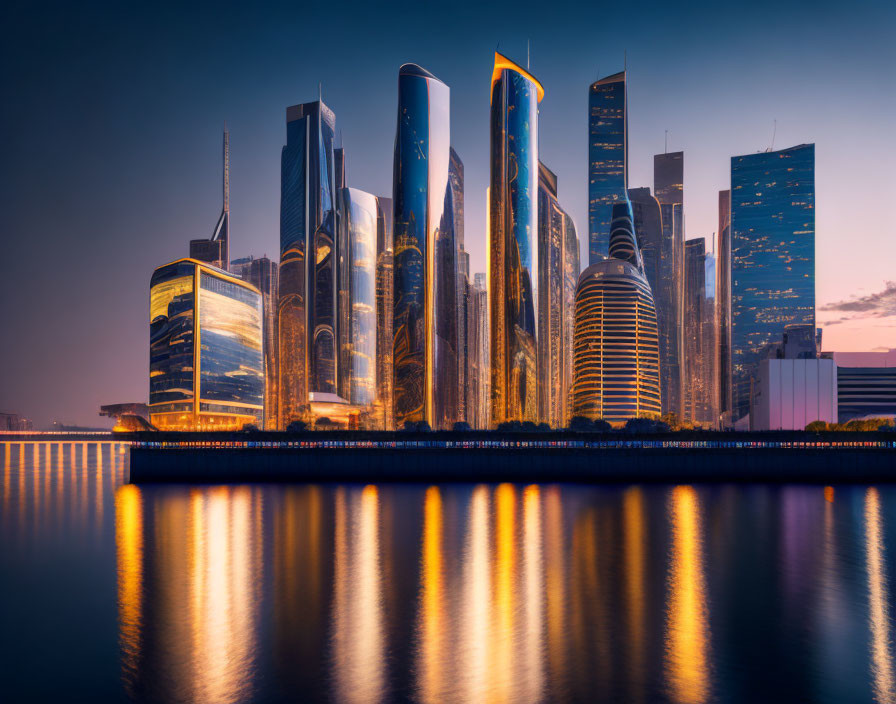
<point x="206" y="367"/>
<point x="513" y="246"/>
<point x="616" y="354"/>
<point x="384" y="303"/>
<point x="558" y="257"/>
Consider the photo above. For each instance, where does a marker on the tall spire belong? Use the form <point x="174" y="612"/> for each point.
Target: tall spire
<point x="226" y="169"/>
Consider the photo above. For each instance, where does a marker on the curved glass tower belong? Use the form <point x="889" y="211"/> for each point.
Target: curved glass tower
<point x="357" y="293"/>
<point x="307" y="308"/>
<point x="616" y="352"/>
<point x="512" y="249"/>
<point x="206" y="368"/>
<point x="423" y="233"/>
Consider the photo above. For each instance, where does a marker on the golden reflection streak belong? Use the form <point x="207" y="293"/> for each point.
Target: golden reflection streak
<point x="533" y="567"/>
<point x="129" y="548"/>
<point x="35" y="490"/>
<point x="358" y="618"/>
<point x="84" y="488"/>
<point x="634" y="519"/>
<point x="477" y="586"/>
<point x="7" y="471"/>
<point x="878" y="600"/>
<point x="21" y="495"/>
<point x="432" y="680"/>
<point x="555" y="577"/>
<point x="501" y="687"/>
<point x="687" y="627"/>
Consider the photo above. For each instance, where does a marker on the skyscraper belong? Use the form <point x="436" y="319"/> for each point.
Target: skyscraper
<point x="425" y="290"/>
<point x="558" y="273"/>
<point x="772" y="255"/>
<point x="700" y="395"/>
<point x="462" y="277"/>
<point x="216" y="249"/>
<point x="478" y="370"/>
<point x="513" y="244"/>
<point x="206" y="364"/>
<point x="616" y="356"/>
<point x="668" y="288"/>
<point x="723" y="305"/>
<point x="607" y="159"/>
<point x="307" y="308"/>
<point x="384" y="303"/>
<point x="356" y="276"/>
<point x="263" y="274"/>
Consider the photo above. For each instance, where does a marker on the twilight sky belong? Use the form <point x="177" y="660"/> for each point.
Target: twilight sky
<point x="111" y="122"/>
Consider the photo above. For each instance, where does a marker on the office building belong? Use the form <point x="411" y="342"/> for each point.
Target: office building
<point x="263" y="274"/>
<point x="607" y="159"/>
<point x="723" y="306"/>
<point x="772" y="256"/>
<point x="307" y="307"/>
<point x="384" y="303"/>
<point x="424" y="245"/>
<point x="462" y="276"/>
<point x="206" y="362"/>
<point x="866" y="384"/>
<point x="788" y="394"/>
<point x="616" y="354"/>
<point x="479" y="366"/>
<point x="700" y="392"/>
<point x="356" y="276"/>
<point x="513" y="245"/>
<point x="558" y="259"/>
<point x="216" y="249"/>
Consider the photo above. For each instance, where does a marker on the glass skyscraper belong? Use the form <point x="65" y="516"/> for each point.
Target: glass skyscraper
<point x="357" y="297"/>
<point x="607" y="159"/>
<point x="700" y="394"/>
<point x="424" y="245"/>
<point x="723" y="305"/>
<point x="772" y="256"/>
<point x="513" y="244"/>
<point x="307" y="309"/>
<point x="558" y="257"/>
<point x="384" y="303"/>
<point x="615" y="355"/>
<point x="206" y="366"/>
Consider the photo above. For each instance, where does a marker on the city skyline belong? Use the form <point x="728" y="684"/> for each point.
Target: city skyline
<point x="189" y="196"/>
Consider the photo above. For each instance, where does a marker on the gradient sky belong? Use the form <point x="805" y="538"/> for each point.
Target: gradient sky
<point x="111" y="122"/>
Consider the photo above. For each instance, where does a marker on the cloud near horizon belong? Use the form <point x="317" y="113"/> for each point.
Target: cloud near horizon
<point x="875" y="305"/>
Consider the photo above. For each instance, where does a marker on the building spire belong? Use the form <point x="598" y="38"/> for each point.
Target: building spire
<point x="226" y="169"/>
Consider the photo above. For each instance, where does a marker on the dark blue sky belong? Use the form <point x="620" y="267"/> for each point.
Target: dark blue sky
<point x="111" y="125"/>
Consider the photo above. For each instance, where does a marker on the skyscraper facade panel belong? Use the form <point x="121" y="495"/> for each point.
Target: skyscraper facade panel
<point x="607" y="159"/>
<point x="513" y="250"/>
<point x="206" y="359"/>
<point x="384" y="303"/>
<point x="699" y="388"/>
<point x="723" y="305"/>
<point x="420" y="245"/>
<point x="668" y="177"/>
<point x="772" y="256"/>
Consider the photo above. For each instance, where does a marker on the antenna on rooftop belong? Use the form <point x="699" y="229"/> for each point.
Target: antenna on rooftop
<point x="666" y="143"/>
<point x="320" y="91"/>
<point x="774" y="132"/>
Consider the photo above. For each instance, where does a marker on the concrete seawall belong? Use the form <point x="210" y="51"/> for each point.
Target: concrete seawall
<point x="212" y="465"/>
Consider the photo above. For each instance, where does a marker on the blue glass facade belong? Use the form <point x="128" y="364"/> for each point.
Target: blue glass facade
<point x="307" y="307"/>
<point x="513" y="245"/>
<point x="607" y="159"/>
<point x="772" y="255"/>
<point x="206" y="360"/>
<point x="420" y="192"/>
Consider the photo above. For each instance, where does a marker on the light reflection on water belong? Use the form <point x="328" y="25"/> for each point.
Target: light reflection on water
<point x="507" y="593"/>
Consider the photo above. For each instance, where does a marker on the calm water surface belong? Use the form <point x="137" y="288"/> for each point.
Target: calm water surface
<point x="507" y="593"/>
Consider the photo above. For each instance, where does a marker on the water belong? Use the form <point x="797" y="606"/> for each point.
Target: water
<point x="510" y="593"/>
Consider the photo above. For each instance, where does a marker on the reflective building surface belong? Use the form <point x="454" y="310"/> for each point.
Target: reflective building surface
<point x="607" y="159"/>
<point x="307" y="309"/>
<point x="384" y="318"/>
<point x="700" y="393"/>
<point x="615" y="351"/>
<point x="723" y="304"/>
<point x="558" y="257"/>
<point x="206" y="366"/>
<point x="772" y="255"/>
<point x="453" y="593"/>
<point x="513" y="243"/>
<point x="357" y="297"/>
<point x="425" y="292"/>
